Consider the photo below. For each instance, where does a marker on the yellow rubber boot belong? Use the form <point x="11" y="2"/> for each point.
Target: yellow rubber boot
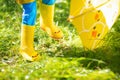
<point x="46" y="21"/>
<point x="26" y="48"/>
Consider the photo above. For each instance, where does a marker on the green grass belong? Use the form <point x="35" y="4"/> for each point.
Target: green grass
<point x="60" y="60"/>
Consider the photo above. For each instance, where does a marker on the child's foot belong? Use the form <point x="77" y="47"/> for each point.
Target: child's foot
<point x="53" y="32"/>
<point x="29" y="54"/>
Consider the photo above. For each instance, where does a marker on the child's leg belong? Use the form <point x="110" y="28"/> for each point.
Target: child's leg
<point x="46" y="19"/>
<point x="27" y="31"/>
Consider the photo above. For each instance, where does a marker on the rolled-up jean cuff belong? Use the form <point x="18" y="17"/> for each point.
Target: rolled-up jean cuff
<point x="29" y="13"/>
<point x="48" y="2"/>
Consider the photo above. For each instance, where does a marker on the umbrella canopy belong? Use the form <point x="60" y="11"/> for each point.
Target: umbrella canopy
<point x="93" y="19"/>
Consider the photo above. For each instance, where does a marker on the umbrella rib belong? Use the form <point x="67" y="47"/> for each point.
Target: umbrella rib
<point x="90" y="10"/>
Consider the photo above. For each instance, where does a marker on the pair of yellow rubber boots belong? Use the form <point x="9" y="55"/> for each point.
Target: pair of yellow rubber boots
<point x="27" y="32"/>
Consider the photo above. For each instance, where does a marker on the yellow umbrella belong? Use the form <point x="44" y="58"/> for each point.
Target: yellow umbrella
<point x="93" y="19"/>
